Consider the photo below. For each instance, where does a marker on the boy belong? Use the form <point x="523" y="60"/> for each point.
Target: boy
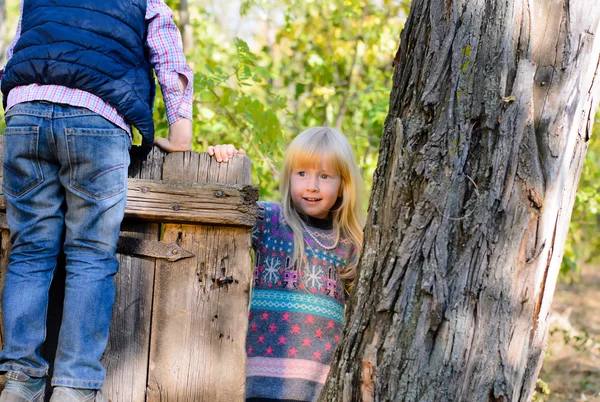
<point x="79" y="73"/>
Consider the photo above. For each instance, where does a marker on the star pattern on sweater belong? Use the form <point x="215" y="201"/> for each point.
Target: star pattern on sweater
<point x="292" y="335"/>
<point x="281" y="326"/>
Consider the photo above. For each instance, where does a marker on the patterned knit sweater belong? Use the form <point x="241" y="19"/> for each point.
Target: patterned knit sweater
<point x="296" y="313"/>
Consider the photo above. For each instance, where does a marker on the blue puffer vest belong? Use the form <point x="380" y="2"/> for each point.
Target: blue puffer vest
<point x="95" y="46"/>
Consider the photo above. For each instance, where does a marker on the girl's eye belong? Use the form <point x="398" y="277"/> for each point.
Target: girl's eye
<point x="324" y="176"/>
<point x="301" y="174"/>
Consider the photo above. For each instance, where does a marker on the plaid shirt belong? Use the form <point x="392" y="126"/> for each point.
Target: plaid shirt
<point x="166" y="56"/>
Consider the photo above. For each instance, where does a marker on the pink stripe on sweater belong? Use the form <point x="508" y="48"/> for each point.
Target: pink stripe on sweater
<point x="287" y="368"/>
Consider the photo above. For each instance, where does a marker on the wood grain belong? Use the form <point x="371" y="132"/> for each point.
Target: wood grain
<point x="197" y="350"/>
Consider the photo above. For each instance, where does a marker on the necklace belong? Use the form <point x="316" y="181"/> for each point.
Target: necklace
<point x="312" y="236"/>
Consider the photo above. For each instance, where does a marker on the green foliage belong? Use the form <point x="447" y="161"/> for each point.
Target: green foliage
<point x="308" y="63"/>
<point x="541" y="389"/>
<point x="583" y="243"/>
<point x="305" y="63"/>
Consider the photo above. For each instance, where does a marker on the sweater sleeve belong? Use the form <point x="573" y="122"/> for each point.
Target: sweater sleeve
<point x="259" y="228"/>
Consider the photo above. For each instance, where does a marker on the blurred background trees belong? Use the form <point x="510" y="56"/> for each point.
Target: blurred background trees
<point x="267" y="69"/>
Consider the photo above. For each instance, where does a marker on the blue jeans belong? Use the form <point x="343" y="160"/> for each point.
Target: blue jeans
<point x="65" y="177"/>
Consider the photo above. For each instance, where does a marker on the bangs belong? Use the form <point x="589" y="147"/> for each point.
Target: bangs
<point x="310" y="154"/>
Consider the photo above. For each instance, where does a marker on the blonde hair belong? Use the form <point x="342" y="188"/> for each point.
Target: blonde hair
<point x="309" y="148"/>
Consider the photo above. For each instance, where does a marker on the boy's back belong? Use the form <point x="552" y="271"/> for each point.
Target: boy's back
<point x="79" y="74"/>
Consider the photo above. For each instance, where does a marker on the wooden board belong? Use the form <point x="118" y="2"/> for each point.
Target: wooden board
<point x="186" y="202"/>
<point x="126" y="355"/>
<point x="189" y="202"/>
<point x="197" y="349"/>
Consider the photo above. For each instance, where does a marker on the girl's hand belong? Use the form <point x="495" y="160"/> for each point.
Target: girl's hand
<point x="224" y="152"/>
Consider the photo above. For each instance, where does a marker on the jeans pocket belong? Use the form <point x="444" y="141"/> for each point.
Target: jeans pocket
<point x="22" y="170"/>
<point x="98" y="161"/>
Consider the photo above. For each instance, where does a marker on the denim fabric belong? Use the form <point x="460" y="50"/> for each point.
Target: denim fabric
<point x="65" y="179"/>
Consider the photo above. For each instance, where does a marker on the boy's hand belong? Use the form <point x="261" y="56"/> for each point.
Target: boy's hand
<point x="179" y="139"/>
<point x="224" y="152"/>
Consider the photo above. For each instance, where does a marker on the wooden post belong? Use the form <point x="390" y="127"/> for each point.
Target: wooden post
<point x="179" y="324"/>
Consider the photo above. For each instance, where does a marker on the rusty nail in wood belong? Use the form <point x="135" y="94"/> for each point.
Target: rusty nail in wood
<point x="176" y="207"/>
<point x="219" y="194"/>
<point x="175" y="251"/>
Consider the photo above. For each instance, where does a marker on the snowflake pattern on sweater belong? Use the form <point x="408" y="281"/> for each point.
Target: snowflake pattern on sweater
<point x="296" y="313"/>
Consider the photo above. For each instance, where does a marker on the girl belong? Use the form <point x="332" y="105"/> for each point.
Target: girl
<point x="306" y="249"/>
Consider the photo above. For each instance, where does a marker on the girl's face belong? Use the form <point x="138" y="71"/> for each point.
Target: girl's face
<point x="315" y="190"/>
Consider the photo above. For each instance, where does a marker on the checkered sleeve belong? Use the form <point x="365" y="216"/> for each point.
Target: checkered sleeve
<point x="166" y="56"/>
<point x="11" y="47"/>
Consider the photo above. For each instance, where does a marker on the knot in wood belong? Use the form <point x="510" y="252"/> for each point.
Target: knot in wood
<point x="224" y="280"/>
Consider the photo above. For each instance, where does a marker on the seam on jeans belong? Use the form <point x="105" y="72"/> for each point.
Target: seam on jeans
<point x="106" y="171"/>
<point x="36" y="165"/>
<point x="27" y="112"/>
<point x="30" y="371"/>
<point x="13" y="171"/>
<point x="97" y="132"/>
<point x="69" y="382"/>
<point x="22" y="130"/>
<point x="26" y="190"/>
<point x="95" y="197"/>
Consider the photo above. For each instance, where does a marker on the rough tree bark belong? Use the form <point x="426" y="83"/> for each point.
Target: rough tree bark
<point x="488" y="126"/>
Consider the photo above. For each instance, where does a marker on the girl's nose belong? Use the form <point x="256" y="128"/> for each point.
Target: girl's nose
<point x="313" y="184"/>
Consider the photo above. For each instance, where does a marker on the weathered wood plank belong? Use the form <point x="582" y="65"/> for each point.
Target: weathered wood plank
<point x="178" y="201"/>
<point x="191" y="202"/>
<point x="126" y="355"/>
<point x="192" y="312"/>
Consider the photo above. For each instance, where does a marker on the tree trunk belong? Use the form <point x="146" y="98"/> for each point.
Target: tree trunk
<point x="489" y="120"/>
<point x="187" y="34"/>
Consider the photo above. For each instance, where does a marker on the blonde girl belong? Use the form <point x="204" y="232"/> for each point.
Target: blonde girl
<point x="306" y="248"/>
